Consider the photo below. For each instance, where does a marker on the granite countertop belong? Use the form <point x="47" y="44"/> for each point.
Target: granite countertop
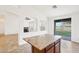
<point x="41" y="41"/>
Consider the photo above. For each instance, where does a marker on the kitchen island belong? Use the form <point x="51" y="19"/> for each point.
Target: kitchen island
<point x="44" y="44"/>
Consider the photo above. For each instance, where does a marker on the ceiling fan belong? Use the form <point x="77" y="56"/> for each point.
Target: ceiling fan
<point x="54" y="6"/>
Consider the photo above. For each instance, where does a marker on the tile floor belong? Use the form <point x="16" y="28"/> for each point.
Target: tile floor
<point x="66" y="47"/>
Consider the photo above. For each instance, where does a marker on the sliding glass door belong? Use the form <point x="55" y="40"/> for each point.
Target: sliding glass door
<point x="62" y="28"/>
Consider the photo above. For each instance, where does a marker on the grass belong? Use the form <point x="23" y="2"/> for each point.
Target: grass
<point x="63" y="33"/>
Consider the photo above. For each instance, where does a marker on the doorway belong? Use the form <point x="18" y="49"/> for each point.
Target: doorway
<point x="62" y="27"/>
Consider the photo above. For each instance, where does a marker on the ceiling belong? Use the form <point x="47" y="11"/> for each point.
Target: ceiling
<point x="60" y="10"/>
<point x="45" y="10"/>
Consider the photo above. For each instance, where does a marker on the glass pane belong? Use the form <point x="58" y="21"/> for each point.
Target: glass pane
<point x="63" y="28"/>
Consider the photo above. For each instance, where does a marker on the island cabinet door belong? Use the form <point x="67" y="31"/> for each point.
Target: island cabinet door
<point x="35" y="50"/>
<point x="57" y="47"/>
<point x="51" y="50"/>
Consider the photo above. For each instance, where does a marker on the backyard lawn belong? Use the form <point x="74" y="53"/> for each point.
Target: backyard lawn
<point x="63" y="33"/>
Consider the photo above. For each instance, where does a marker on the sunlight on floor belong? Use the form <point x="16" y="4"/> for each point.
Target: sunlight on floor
<point x="69" y="47"/>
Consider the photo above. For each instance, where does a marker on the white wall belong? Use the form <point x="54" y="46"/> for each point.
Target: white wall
<point x="74" y="25"/>
<point x="11" y="24"/>
<point x="1" y="26"/>
<point x="75" y="28"/>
